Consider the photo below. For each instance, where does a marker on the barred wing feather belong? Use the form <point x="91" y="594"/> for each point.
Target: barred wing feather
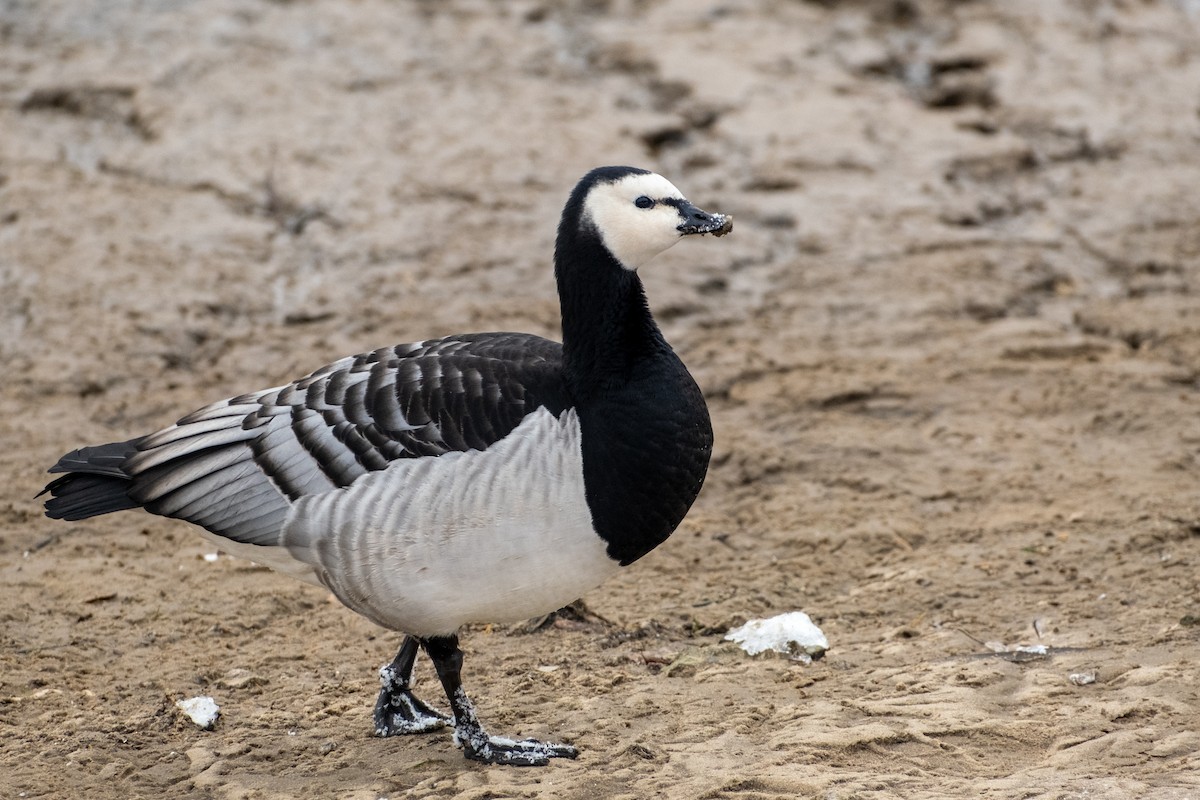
<point x="236" y="466"/>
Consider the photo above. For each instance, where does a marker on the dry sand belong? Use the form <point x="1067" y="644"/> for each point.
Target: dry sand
<point x="952" y="352"/>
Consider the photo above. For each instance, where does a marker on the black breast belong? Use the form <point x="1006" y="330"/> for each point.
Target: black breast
<point x="646" y="447"/>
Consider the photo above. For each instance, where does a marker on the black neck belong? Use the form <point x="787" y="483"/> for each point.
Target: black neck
<point x="645" y="435"/>
<point x="607" y="325"/>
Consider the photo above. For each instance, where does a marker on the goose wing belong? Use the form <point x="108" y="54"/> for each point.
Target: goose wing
<point x="236" y="466"/>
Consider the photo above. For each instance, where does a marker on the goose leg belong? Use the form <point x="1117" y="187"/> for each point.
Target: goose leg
<point x="468" y="733"/>
<point x="397" y="711"/>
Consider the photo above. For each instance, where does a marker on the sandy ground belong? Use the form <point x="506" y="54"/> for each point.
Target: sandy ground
<point x="952" y="352"/>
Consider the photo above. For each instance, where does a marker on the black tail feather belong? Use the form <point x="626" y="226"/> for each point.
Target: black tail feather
<point x="101" y="459"/>
<point x="94" y="484"/>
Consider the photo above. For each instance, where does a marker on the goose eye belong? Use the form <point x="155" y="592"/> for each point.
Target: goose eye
<point x="643" y="202"/>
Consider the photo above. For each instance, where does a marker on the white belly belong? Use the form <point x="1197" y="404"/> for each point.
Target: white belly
<point x="484" y="536"/>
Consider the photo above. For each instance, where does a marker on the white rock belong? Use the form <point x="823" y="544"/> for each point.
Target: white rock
<point x="202" y="710"/>
<point x="1082" y="678"/>
<point x="792" y="634"/>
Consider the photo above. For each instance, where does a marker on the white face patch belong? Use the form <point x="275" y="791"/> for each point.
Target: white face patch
<point x="634" y="235"/>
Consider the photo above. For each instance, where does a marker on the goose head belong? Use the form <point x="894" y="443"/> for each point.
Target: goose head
<point x="637" y="214"/>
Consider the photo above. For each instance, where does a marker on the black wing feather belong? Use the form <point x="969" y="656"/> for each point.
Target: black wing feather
<point x="234" y="467"/>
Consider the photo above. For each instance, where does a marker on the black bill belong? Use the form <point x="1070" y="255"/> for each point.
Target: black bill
<point x="697" y="221"/>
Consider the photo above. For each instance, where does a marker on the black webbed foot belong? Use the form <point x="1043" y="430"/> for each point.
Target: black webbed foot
<point x="523" y="753"/>
<point x="475" y="742"/>
<point x="398" y="711"/>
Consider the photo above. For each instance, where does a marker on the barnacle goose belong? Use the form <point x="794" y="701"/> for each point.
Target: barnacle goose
<point x="488" y="477"/>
